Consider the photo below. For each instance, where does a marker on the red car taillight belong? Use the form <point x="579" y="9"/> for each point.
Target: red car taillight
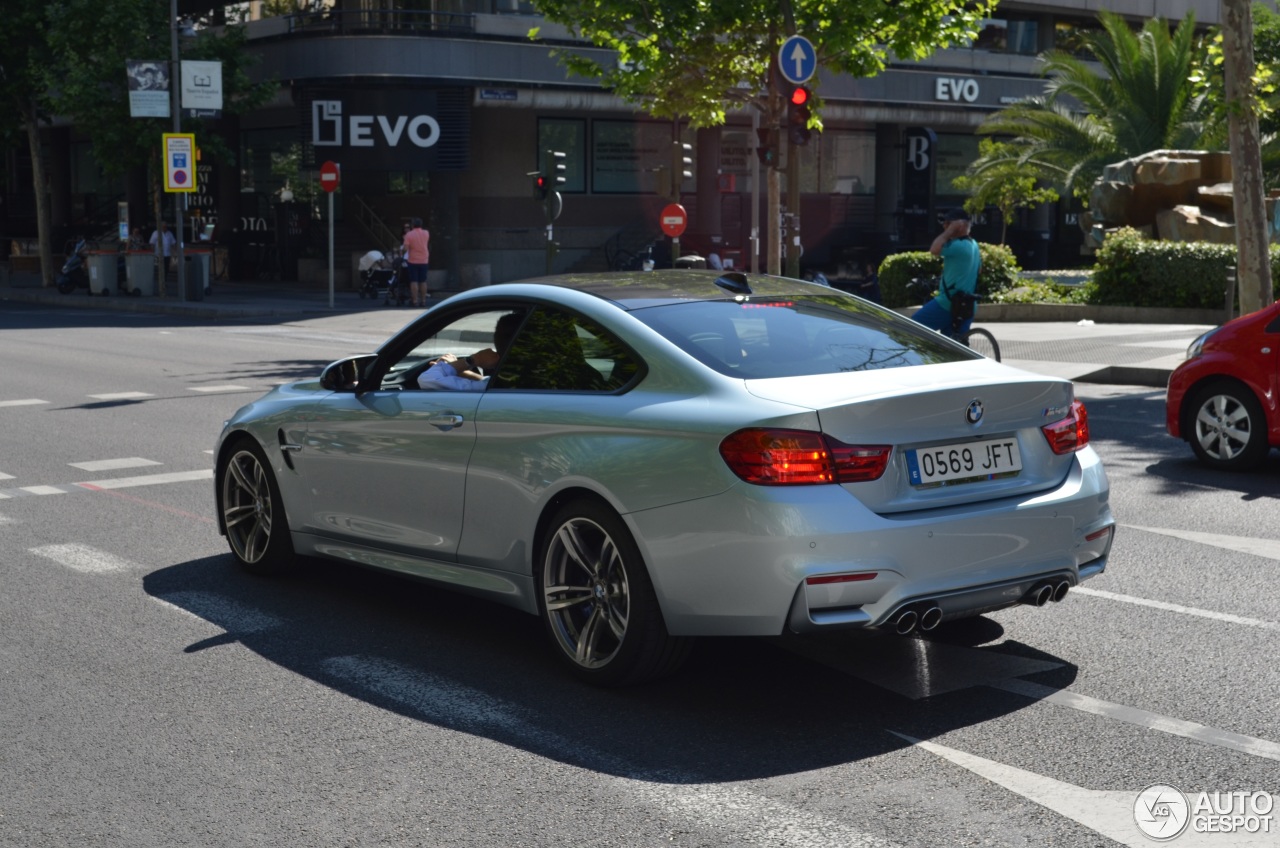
<point x="1070" y="433"/>
<point x="774" y="457"/>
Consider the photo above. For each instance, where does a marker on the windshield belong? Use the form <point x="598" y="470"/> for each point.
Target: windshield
<point x="756" y="338"/>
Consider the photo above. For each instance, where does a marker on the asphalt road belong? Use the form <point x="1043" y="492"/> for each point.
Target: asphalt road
<point x="153" y="695"/>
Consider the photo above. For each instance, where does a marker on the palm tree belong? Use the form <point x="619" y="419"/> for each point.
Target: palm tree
<point x="1143" y="100"/>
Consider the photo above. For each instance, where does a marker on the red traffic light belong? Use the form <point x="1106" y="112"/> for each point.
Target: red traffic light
<point x="799" y="96"/>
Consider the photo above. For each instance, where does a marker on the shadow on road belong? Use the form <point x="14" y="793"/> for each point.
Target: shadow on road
<point x="741" y="709"/>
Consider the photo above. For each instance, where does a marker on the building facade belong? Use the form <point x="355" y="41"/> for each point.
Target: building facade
<point x="441" y="111"/>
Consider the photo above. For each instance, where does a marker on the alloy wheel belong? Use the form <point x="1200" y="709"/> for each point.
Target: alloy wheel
<point x="586" y="593"/>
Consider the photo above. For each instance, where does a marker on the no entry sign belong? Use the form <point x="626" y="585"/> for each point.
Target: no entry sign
<point x="673" y="220"/>
<point x="329" y="176"/>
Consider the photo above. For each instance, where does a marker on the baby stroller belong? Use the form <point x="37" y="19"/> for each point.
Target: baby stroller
<point x="378" y="277"/>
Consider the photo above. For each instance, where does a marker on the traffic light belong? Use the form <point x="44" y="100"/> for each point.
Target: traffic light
<point x="681" y="165"/>
<point x="550" y="174"/>
<point x="798" y="115"/>
<point x="553" y="169"/>
<point x="766" y="148"/>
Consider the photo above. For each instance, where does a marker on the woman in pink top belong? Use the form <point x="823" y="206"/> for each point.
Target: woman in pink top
<point x="416" y="256"/>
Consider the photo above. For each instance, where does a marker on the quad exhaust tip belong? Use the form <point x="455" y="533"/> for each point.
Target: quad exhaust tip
<point x="1060" y="590"/>
<point x="930" y="619"/>
<point x="906" y="622"/>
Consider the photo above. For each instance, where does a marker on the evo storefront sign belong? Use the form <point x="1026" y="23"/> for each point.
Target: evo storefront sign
<point x="376" y="130"/>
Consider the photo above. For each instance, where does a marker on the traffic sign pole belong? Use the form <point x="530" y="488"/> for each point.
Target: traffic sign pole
<point x="330" y="176"/>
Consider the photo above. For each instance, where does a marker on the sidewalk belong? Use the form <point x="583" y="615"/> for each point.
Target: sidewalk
<point x="1138" y="354"/>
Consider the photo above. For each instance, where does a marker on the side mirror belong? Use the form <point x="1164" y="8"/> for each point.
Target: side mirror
<point x="345" y="374"/>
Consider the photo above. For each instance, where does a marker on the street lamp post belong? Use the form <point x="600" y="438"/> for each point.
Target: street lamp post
<point x="175" y="99"/>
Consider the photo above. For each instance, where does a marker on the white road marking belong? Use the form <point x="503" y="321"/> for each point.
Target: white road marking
<point x="1107" y="812"/>
<point x="84" y="558"/>
<point x="149" y="480"/>
<point x="1269" y="548"/>
<point x="226" y="388"/>
<point x="736" y="814"/>
<point x="122" y="396"/>
<point x="4" y="476"/>
<point x="30" y="402"/>
<point x="1178" y="608"/>
<point x="113" y="464"/>
<point x="43" y="490"/>
<point x="232" y="616"/>
<point x="1251" y="745"/>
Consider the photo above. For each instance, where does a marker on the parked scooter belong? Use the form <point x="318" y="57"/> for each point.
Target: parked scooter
<point x="75" y="271"/>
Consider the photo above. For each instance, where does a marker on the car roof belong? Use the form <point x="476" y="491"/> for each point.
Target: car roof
<point x="639" y="289"/>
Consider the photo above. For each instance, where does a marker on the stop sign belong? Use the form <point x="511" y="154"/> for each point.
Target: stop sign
<point x="329" y="176"/>
<point x="673" y="220"/>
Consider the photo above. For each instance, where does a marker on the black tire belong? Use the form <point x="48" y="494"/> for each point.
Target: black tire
<point x="597" y="603"/>
<point x="253" y="512"/>
<point x="1226" y="427"/>
<point x="981" y="341"/>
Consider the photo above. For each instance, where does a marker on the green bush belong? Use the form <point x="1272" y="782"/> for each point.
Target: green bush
<point x="1132" y="270"/>
<point x="999" y="273"/>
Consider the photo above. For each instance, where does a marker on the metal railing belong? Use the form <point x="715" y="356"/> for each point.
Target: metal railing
<point x="372" y="223"/>
<point x="397" y="21"/>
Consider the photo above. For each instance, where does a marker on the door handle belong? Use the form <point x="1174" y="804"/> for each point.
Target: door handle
<point x="445" y="421"/>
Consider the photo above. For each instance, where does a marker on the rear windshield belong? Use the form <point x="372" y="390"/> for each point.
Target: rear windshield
<point x="799" y="336"/>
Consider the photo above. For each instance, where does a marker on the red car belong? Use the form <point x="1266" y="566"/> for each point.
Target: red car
<point x="1223" y="399"/>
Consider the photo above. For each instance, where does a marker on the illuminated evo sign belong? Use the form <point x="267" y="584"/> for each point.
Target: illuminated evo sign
<point x="963" y="89"/>
<point x="384" y="131"/>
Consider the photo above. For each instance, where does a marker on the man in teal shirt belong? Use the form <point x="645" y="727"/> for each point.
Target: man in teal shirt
<point x="960" y="263"/>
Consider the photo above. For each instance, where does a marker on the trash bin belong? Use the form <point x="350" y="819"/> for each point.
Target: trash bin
<point x="140" y="266"/>
<point x="197" y="262"/>
<point x="102" y="271"/>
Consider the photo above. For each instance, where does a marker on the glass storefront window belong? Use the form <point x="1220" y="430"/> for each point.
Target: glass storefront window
<point x="625" y="156"/>
<point x="838" y="162"/>
<point x="955" y="154"/>
<point x="570" y="137"/>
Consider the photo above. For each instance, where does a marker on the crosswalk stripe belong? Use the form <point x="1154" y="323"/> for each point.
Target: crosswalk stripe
<point x="227" y="388"/>
<point x="28" y="402"/>
<point x="43" y="490"/>
<point x="84" y="558"/>
<point x="148" y="480"/>
<point x="113" y="464"/>
<point x="122" y="396"/>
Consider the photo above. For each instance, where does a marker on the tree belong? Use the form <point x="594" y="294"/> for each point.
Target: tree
<point x="90" y="85"/>
<point x="1005" y="183"/>
<point x="23" y="104"/>
<point x="1144" y="100"/>
<point x="1252" y="238"/>
<point x="698" y="59"/>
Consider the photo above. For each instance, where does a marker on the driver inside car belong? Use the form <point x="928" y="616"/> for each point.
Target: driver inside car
<point x="468" y="374"/>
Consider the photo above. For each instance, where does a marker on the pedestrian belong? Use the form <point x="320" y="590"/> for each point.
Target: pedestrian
<point x="960" y="263"/>
<point x="416" y="257"/>
<point x="165" y="238"/>
<point x="137" y="241"/>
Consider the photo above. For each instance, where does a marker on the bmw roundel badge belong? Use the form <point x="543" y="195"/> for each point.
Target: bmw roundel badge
<point x="974" y="413"/>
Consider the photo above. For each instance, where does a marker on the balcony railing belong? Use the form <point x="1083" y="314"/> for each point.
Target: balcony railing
<point x="382" y="21"/>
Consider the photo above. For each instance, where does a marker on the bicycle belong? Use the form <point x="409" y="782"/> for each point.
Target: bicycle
<point x="976" y="338"/>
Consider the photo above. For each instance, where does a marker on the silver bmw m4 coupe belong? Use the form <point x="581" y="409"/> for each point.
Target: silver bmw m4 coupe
<point x="642" y="458"/>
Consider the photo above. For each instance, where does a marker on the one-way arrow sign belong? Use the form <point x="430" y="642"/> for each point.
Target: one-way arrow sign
<point x="797" y="60"/>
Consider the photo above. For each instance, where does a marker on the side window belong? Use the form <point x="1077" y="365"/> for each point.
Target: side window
<point x="561" y="351"/>
<point x="463" y="336"/>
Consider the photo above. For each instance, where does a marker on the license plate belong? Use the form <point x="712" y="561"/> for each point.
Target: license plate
<point x="964" y="462"/>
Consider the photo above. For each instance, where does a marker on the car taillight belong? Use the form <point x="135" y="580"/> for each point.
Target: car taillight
<point x="775" y="457"/>
<point x="1070" y="433"/>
